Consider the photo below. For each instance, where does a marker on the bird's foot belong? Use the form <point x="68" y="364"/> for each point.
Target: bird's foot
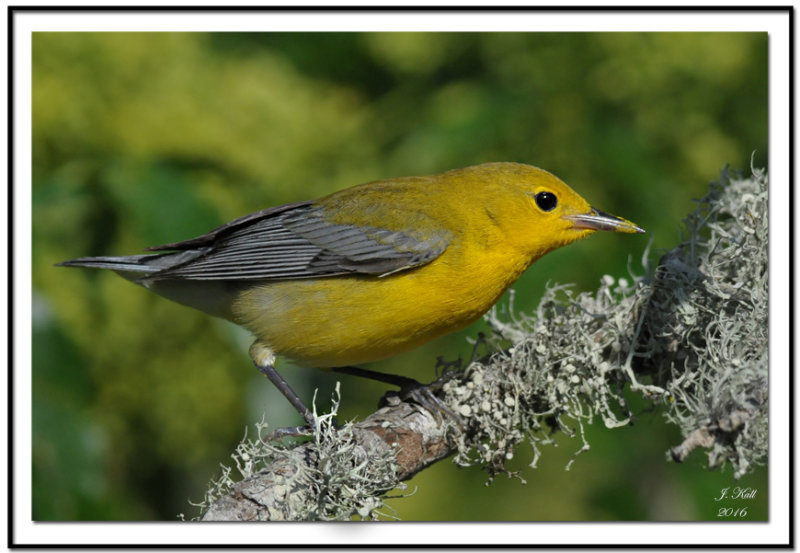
<point x="425" y="396"/>
<point x="302" y="431"/>
<point x="410" y="389"/>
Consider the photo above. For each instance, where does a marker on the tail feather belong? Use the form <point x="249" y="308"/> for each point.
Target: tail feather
<point x="128" y="263"/>
<point x="213" y="297"/>
<point x="135" y="267"/>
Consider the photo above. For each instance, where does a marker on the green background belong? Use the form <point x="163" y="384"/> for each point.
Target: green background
<point x="143" y="139"/>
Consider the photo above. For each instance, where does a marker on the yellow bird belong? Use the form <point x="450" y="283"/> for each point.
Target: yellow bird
<point x="373" y="270"/>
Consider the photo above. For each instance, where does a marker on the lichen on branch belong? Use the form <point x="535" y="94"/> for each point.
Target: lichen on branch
<point x="690" y="336"/>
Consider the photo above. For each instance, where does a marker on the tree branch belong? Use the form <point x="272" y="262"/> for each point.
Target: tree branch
<point x="405" y="436"/>
<point x="696" y="331"/>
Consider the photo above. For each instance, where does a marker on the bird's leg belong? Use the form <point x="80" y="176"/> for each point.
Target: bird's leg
<point x="264" y="360"/>
<point x="409" y="388"/>
<point x="397" y="380"/>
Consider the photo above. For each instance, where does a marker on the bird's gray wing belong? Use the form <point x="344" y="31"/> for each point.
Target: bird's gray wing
<point x="296" y="241"/>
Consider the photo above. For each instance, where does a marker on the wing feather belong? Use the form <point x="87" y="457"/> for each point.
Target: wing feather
<point x="295" y="241"/>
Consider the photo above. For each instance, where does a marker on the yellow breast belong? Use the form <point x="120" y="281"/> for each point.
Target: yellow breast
<point x="343" y="321"/>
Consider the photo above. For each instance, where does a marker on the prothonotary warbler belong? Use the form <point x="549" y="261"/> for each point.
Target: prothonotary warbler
<point x="373" y="270"/>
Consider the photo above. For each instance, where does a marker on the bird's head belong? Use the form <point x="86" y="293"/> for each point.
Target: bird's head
<point x="535" y="207"/>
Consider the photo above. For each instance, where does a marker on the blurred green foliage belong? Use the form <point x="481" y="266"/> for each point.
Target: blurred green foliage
<point x="141" y="139"/>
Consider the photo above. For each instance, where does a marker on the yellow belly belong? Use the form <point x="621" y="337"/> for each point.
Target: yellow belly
<point x="342" y="321"/>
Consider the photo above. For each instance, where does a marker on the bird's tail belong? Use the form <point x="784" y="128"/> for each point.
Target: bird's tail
<point x="213" y="297"/>
<point x="139" y="264"/>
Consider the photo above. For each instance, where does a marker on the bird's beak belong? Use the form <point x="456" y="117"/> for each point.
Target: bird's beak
<point x="598" y="220"/>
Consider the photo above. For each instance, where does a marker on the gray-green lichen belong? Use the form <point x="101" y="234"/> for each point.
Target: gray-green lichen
<point x="690" y="336"/>
<point x="345" y="479"/>
<point x="710" y="297"/>
<point x="565" y="368"/>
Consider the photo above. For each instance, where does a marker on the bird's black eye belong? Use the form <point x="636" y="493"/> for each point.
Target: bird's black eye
<point x="546" y="201"/>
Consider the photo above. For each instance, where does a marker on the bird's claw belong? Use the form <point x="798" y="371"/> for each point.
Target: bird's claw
<point x="295" y="431"/>
<point x="423" y="395"/>
<point x="288" y="432"/>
